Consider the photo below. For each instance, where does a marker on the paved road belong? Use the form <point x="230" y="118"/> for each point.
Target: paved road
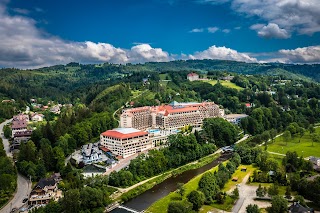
<point x="247" y="193"/>
<point x="23" y="184"/>
<point x="4" y="140"/>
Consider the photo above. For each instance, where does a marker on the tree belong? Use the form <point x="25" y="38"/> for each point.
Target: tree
<point x="273" y="134"/>
<point x="219" y="131"/>
<point x="288" y="192"/>
<point x="301" y="133"/>
<point x="279" y="205"/>
<point x="197" y="199"/>
<point x="300" y="199"/>
<point x="252" y="208"/>
<point x="260" y="192"/>
<point x="311" y="129"/>
<point x="273" y="190"/>
<point x="286" y="136"/>
<point x="235" y="193"/>
<point x="179" y="207"/>
<point x="7" y="131"/>
<point x="71" y="201"/>
<point x="208" y="185"/>
<point x="315" y="137"/>
<point x="181" y="190"/>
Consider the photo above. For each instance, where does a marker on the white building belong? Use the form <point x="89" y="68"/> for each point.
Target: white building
<point x="193" y="76"/>
<point x="173" y="116"/>
<point x="235" y="118"/>
<point x="125" y="141"/>
<point x="315" y="160"/>
<point x="37" y="117"/>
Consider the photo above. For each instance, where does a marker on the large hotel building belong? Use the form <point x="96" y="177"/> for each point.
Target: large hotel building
<point x="172" y="116"/>
<point x="143" y="128"/>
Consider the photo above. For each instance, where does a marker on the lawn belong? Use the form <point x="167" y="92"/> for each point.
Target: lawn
<point x="224" y="83"/>
<point x="240" y="175"/>
<point x="282" y="189"/>
<point x="303" y="148"/>
<point x="163" y="76"/>
<point x="162" y="204"/>
<point x="135" y="92"/>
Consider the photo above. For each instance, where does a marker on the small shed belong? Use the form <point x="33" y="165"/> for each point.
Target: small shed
<point x="243" y="169"/>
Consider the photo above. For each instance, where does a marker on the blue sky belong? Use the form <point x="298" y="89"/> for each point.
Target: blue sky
<point x="42" y="32"/>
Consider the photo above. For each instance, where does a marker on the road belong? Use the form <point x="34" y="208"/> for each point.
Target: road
<point x="115" y="112"/>
<point x="247" y="193"/>
<point x="23" y="184"/>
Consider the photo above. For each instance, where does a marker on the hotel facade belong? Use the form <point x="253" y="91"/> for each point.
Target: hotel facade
<point x="125" y="141"/>
<point x="173" y="116"/>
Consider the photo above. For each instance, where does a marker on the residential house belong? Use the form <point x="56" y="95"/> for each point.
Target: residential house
<point x="37" y="117"/>
<point x="91" y="153"/>
<point x="296" y="207"/>
<point x="44" y="191"/>
<point x="235" y="118"/>
<point x="193" y="76"/>
<point x="55" y="109"/>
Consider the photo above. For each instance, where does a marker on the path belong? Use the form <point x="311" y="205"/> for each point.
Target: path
<point x="247" y="193"/>
<point x="23" y="184"/>
<point x="115" y="112"/>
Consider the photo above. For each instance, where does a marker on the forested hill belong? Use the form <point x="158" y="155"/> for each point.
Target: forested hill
<point x="65" y="83"/>
<point x="311" y="72"/>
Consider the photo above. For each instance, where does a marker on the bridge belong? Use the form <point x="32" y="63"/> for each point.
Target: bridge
<point x="128" y="209"/>
<point x="117" y="205"/>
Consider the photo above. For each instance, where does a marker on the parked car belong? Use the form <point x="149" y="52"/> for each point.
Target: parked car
<point x="25" y="200"/>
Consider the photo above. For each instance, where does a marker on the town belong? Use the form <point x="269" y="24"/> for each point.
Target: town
<point x="127" y="149"/>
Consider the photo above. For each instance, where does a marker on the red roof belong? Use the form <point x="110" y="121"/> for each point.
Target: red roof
<point x="184" y="109"/>
<point x="192" y="74"/>
<point x="248" y="105"/>
<point x="105" y="149"/>
<point x="119" y="135"/>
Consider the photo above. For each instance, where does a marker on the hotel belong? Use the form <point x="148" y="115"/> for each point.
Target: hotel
<point x="173" y="116"/>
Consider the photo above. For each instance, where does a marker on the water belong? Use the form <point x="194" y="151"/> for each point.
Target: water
<point x="146" y="199"/>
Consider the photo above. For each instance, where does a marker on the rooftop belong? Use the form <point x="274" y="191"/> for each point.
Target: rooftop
<point x="230" y="116"/>
<point x="123" y="133"/>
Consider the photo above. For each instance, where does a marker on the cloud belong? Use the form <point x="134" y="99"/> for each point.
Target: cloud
<point x="222" y="53"/>
<point x="196" y="30"/>
<point x="294" y="16"/>
<point x="301" y="16"/>
<point x="212" y="1"/>
<point x="270" y="31"/>
<point x="22" y="45"/>
<point x="21" y="11"/>
<point x="226" y="30"/>
<point x="212" y="29"/>
<point x="237" y="28"/>
<point x="309" y="54"/>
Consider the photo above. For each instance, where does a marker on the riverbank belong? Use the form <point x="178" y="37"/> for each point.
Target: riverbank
<point x="137" y="189"/>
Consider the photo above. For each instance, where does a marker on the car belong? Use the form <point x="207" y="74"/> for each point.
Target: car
<point x="25" y="200"/>
<point x="13" y="210"/>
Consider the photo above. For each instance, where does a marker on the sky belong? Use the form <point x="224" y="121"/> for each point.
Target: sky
<point x="37" y="33"/>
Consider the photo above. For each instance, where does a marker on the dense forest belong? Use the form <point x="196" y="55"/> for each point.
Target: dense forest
<point x="281" y="98"/>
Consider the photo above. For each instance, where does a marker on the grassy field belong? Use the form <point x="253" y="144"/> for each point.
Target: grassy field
<point x="282" y="189"/>
<point x="162" y="204"/>
<point x="303" y="148"/>
<point x="224" y="83"/>
<point x="163" y="76"/>
<point x="240" y="175"/>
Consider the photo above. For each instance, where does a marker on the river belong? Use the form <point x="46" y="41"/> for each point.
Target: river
<point x="146" y="199"/>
